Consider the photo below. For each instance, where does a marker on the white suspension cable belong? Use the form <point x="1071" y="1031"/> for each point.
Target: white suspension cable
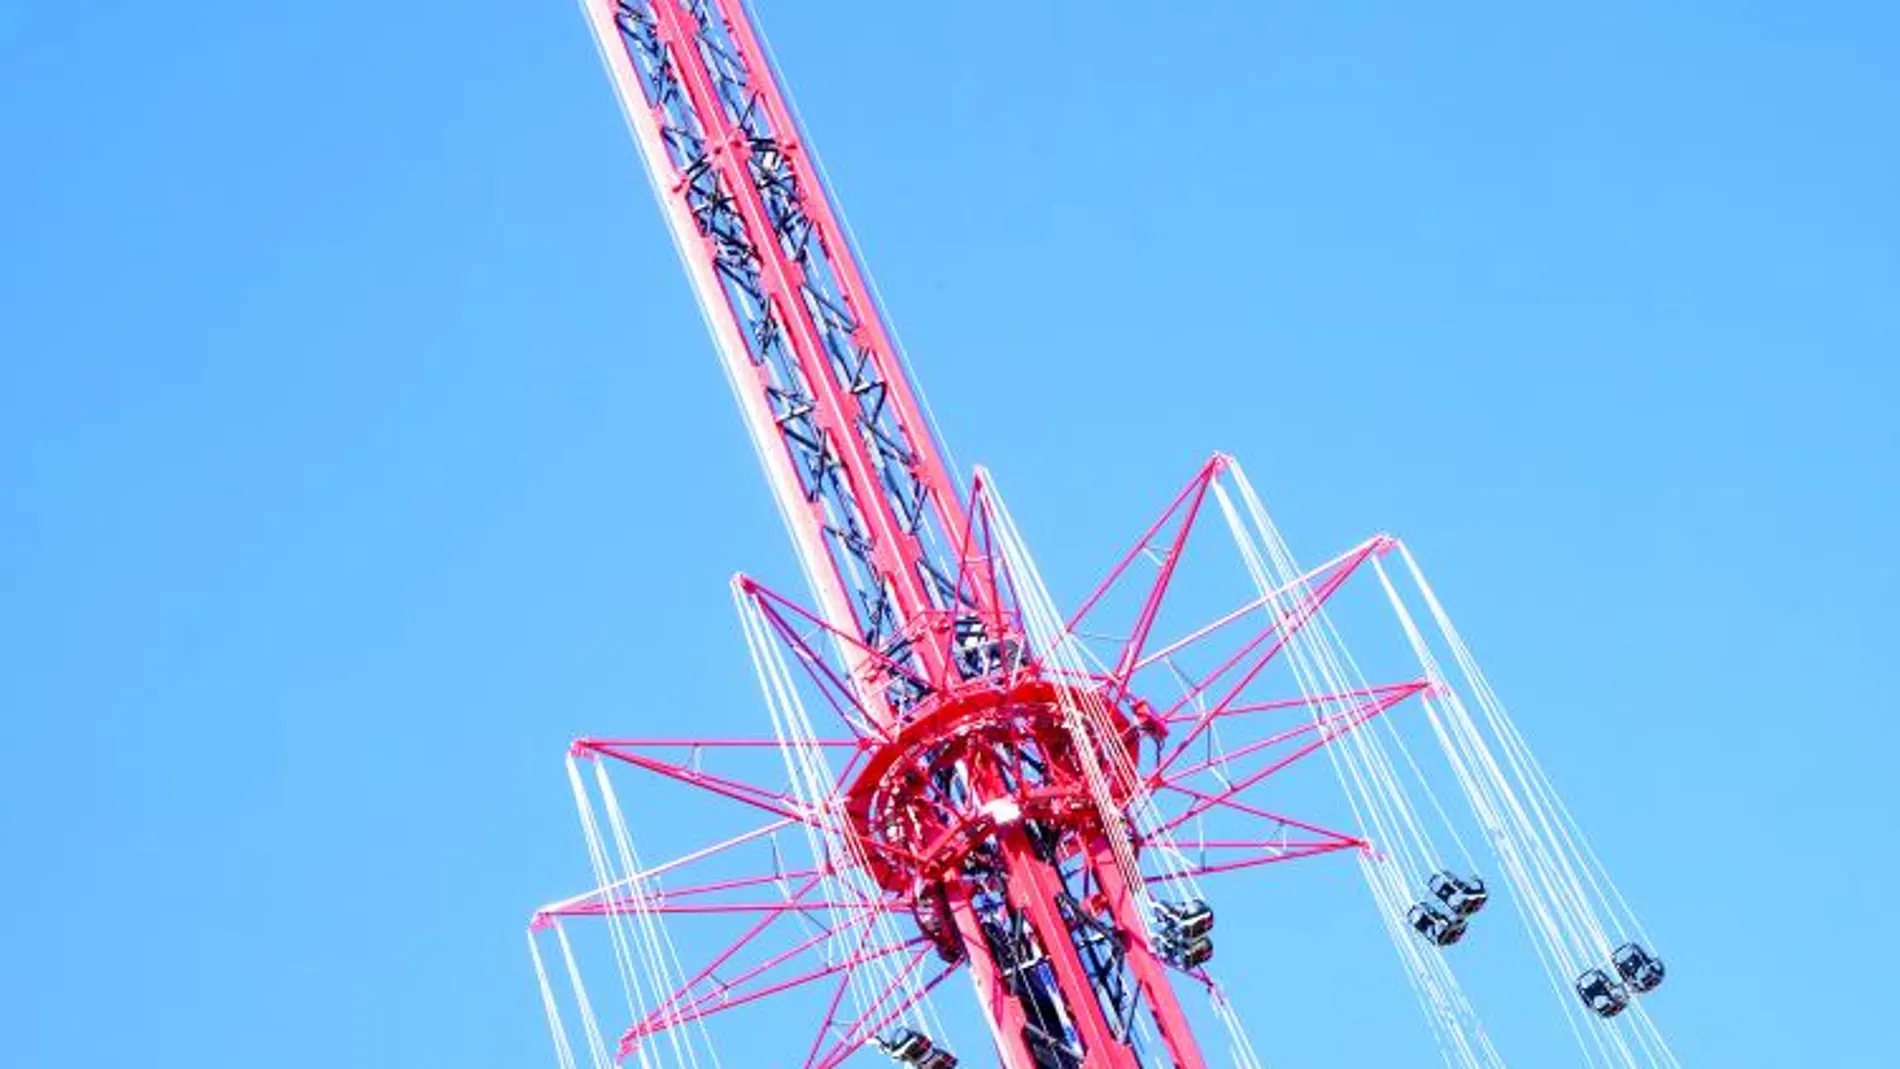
<point x="880" y="982"/>
<point x="1375" y="790"/>
<point x="550" y="1005"/>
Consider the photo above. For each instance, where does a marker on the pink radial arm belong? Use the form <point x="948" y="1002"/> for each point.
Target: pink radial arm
<point x="1365" y="713"/>
<point x="728" y="1001"/>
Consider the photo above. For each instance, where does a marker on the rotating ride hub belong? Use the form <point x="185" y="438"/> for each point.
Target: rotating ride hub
<point x="981" y="765"/>
<point x="985" y="810"/>
<point x="993" y="761"/>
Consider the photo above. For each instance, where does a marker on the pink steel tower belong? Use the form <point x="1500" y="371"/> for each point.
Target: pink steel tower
<point x="982" y="807"/>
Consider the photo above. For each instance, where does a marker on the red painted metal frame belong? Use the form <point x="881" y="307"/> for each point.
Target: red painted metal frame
<point x="824" y="390"/>
<point x="895" y="549"/>
<point x="1168" y="772"/>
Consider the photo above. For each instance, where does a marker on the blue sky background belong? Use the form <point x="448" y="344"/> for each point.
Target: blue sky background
<point x="360" y="445"/>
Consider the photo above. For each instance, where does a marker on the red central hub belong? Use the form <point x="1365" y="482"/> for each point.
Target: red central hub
<point x="973" y="761"/>
<point x="983" y="811"/>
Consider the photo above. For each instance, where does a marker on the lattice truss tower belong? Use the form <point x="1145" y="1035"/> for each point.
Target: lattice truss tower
<point x="962" y="777"/>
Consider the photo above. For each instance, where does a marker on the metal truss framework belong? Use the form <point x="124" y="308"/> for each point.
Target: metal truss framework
<point x="818" y="372"/>
<point x="1030" y="904"/>
<point x="964" y="784"/>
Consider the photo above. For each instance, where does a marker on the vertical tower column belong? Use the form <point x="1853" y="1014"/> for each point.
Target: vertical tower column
<point x="877" y="523"/>
<point x="889" y="550"/>
<point x="1034" y="890"/>
<point x="1149" y="973"/>
<point x="999" y="1005"/>
<point x="856" y="468"/>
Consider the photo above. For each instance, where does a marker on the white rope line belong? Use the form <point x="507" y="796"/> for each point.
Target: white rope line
<point x="1063" y="654"/>
<point x="1558" y="884"/>
<point x="604" y="880"/>
<point x="1052" y="643"/>
<point x="661" y="948"/>
<point x="1240" y="1048"/>
<point x="590" y="1024"/>
<point x="1063" y="651"/>
<point x="550" y="1005"/>
<point x="838" y="855"/>
<point x="1375" y="790"/>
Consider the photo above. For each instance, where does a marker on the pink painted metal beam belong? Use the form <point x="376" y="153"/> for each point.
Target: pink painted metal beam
<point x="1196" y="487"/>
<point x="1306" y="851"/>
<point x="1377" y="702"/>
<point x="1376" y="545"/>
<point x="1282" y="630"/>
<point x="777" y="803"/>
<point x="853" y="1042"/>
<point x="701" y="1011"/>
<point x="1368" y="712"/>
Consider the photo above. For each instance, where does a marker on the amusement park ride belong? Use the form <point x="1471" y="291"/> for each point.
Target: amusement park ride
<point x="1027" y="796"/>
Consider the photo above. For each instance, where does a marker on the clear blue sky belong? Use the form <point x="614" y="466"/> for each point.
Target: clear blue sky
<point x="360" y="445"/>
